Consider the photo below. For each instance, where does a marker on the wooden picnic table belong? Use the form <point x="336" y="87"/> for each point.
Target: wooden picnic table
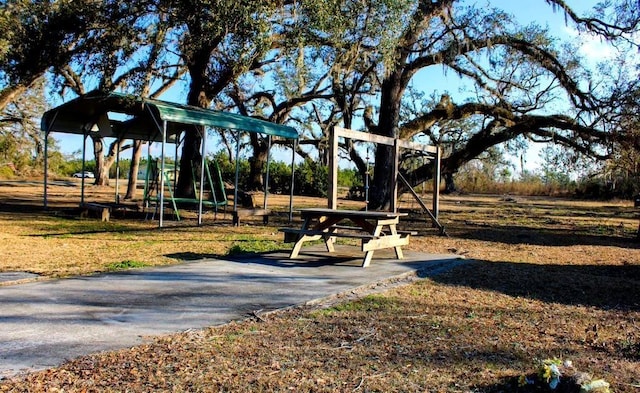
<point x="376" y="229"/>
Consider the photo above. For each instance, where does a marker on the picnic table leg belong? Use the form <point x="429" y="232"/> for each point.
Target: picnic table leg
<point x="368" y="256"/>
<point x="325" y="224"/>
<point x="399" y="254"/>
<point x="298" y="245"/>
<point x="328" y="242"/>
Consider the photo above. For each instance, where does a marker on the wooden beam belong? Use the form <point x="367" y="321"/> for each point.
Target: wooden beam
<point x="417" y="146"/>
<point x="363" y="136"/>
<point x="385" y="242"/>
<point x="384" y="140"/>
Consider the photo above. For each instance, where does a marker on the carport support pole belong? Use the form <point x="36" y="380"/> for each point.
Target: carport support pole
<point x="266" y="180"/>
<point x="175" y="165"/>
<point x="235" y="187"/>
<point x="162" y="149"/>
<point x="118" y="141"/>
<point x="203" y="150"/>
<point x="46" y="165"/>
<point x="84" y="158"/>
<point x="146" y="197"/>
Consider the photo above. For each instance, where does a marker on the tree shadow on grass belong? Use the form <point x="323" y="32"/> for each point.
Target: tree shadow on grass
<point x="606" y="287"/>
<point x="515" y="234"/>
<point x="277" y="259"/>
<point x="21" y="206"/>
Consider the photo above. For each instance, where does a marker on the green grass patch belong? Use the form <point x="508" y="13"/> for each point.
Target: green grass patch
<point x="125" y="265"/>
<point x="238" y="237"/>
<point x="66" y="227"/>
<point x="254" y="247"/>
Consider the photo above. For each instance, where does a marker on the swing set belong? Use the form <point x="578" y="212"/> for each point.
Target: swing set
<point x="216" y="194"/>
<point x="431" y="152"/>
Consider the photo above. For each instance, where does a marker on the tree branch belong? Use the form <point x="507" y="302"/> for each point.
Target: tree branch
<point x="605" y="29"/>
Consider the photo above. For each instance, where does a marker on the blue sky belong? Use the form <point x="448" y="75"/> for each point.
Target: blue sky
<point x="525" y="11"/>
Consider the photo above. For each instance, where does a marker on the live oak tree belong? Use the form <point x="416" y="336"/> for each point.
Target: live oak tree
<point x="354" y="63"/>
<point x="131" y="56"/>
<point x="218" y="42"/>
<point x="37" y="36"/>
<point x="520" y="77"/>
<point x="21" y="141"/>
<point x="80" y="42"/>
<point x="311" y="78"/>
<point x="229" y="48"/>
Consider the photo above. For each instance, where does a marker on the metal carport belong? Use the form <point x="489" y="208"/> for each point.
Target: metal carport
<point x="149" y="120"/>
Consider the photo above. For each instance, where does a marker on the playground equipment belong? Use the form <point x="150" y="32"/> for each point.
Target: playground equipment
<point x="216" y="194"/>
<point x="432" y="151"/>
<point x="152" y="121"/>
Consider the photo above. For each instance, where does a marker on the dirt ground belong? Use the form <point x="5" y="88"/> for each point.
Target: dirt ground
<point x="551" y="278"/>
<point x="492" y="228"/>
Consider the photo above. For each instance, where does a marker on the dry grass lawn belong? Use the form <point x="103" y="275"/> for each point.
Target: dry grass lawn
<point x="549" y="278"/>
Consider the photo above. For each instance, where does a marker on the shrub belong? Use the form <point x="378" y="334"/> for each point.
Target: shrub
<point x="279" y="177"/>
<point x="7" y="171"/>
<point x="311" y="179"/>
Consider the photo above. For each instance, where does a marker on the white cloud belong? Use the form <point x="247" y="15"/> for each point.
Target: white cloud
<point x="592" y="47"/>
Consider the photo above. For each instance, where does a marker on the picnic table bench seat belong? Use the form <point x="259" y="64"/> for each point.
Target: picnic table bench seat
<point x="101" y="210"/>
<point x="240" y="213"/>
<point x="297" y="232"/>
<point x="355" y="228"/>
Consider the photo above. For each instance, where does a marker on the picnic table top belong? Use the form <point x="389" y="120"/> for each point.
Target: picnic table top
<point x="349" y="213"/>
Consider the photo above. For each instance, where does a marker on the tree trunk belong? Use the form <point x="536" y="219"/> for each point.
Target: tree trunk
<point x="101" y="172"/>
<point x="382" y="185"/>
<point x="192" y="143"/>
<point x="133" y="170"/>
<point x="257" y="163"/>
<point x="104" y="163"/>
<point x="190" y="156"/>
<point x="449" y="183"/>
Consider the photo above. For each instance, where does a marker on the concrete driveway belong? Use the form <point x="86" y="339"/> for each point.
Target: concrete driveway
<point x="44" y="323"/>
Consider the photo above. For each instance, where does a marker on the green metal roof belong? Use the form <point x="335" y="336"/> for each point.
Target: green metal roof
<point x="89" y="114"/>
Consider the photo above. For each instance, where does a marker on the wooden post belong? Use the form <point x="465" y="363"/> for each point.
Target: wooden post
<point x="332" y="191"/>
<point x="436" y="183"/>
<point x="394" y="177"/>
<point x="293" y="178"/>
